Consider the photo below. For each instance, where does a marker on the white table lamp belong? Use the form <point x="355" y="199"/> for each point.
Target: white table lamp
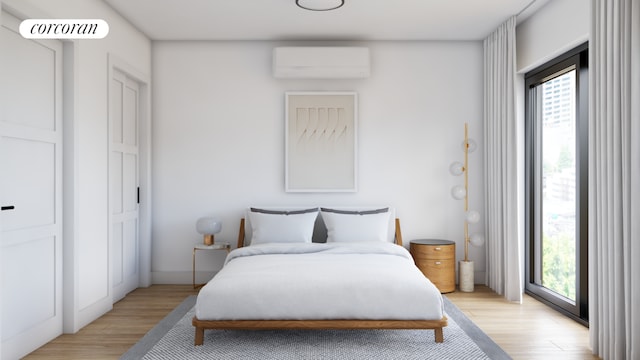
<point x="208" y="226"/>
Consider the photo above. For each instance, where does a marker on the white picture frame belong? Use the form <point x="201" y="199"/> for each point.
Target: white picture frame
<point x="321" y="141"/>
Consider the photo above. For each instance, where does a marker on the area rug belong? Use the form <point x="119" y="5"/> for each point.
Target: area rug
<point x="172" y="338"/>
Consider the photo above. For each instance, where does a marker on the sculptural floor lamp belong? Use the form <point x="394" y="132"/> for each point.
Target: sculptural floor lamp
<point x="465" y="267"/>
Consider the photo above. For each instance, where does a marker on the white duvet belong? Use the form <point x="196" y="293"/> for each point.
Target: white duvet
<point x="319" y="281"/>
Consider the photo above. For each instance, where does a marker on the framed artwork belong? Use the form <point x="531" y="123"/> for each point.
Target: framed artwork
<point x="321" y="141"/>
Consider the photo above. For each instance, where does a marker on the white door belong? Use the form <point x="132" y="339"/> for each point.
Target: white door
<point x="30" y="190"/>
<point x="124" y="116"/>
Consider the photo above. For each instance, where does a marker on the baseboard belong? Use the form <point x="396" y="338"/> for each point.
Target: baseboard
<point x="180" y="277"/>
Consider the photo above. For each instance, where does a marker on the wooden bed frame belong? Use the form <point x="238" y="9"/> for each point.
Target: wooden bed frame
<point x="343" y="324"/>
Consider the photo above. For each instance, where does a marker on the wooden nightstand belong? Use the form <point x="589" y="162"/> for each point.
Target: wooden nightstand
<point x="437" y="261"/>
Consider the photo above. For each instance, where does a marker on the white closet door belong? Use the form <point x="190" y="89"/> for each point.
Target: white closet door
<point x="30" y="190"/>
<point x="123" y="168"/>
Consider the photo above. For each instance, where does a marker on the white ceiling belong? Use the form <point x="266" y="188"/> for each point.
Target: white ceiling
<point x="356" y="20"/>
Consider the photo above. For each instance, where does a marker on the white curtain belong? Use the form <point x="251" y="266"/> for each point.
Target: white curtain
<point x="504" y="242"/>
<point x="614" y="179"/>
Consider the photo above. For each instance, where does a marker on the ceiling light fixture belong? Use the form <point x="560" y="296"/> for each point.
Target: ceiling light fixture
<point x="319" y="5"/>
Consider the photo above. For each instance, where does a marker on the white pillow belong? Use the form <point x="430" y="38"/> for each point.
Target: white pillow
<point x="270" y="226"/>
<point x="356" y="226"/>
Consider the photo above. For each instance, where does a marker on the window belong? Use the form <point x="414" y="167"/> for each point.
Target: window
<point x="556" y="135"/>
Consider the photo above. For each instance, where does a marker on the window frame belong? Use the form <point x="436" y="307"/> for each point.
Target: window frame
<point x="577" y="57"/>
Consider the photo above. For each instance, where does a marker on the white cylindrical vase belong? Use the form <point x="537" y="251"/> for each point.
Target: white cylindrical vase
<point x="465" y="276"/>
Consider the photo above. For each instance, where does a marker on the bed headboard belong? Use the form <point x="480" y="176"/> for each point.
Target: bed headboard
<point x="319" y="230"/>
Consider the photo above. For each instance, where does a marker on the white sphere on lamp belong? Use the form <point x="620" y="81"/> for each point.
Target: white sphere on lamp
<point x="472" y="146"/>
<point x="456" y="168"/>
<point x="458" y="192"/>
<point x="473" y="216"/>
<point x="476" y="239"/>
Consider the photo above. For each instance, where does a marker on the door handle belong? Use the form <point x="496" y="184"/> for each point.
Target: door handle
<point x="10" y="207"/>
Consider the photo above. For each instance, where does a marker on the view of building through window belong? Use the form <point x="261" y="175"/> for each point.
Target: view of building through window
<point x="559" y="185"/>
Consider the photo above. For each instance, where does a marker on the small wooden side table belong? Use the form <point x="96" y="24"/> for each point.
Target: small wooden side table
<point x="437" y="261"/>
<point x="201" y="246"/>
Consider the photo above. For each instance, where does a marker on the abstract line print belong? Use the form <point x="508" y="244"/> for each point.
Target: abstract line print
<point x="321" y="142"/>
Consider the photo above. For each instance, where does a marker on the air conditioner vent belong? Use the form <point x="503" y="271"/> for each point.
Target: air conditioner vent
<point x="321" y="62"/>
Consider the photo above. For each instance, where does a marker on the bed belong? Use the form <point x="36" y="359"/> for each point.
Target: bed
<point x="319" y="268"/>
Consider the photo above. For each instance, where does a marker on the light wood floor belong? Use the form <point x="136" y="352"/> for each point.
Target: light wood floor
<point x="528" y="331"/>
<point x="114" y="333"/>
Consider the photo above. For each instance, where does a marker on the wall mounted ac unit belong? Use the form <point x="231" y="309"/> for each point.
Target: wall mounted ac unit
<point x="321" y="62"/>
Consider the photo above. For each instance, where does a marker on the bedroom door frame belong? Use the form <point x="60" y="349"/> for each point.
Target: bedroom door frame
<point x="115" y="65"/>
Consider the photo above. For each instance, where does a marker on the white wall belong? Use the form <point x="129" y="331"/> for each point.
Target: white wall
<point x="557" y="27"/>
<point x="87" y="274"/>
<point x="218" y="140"/>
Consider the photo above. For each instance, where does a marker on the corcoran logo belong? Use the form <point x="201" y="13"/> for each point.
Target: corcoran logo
<point x="64" y="28"/>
